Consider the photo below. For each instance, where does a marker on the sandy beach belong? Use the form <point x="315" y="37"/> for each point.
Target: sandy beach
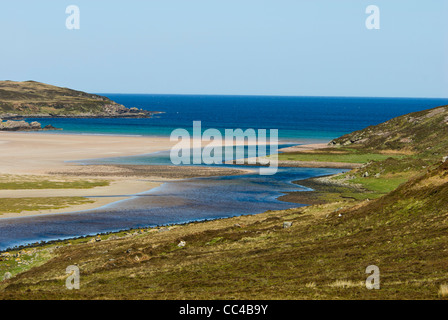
<point x="37" y="154"/>
<point x="47" y="156"/>
<point x="305" y="147"/>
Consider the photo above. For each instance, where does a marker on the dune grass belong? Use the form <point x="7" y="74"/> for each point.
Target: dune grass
<point x="18" y="205"/>
<point x="13" y="182"/>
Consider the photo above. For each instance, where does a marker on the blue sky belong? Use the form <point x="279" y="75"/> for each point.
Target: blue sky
<point x="281" y="47"/>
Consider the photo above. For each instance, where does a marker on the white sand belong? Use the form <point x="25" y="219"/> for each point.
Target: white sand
<point x="38" y="154"/>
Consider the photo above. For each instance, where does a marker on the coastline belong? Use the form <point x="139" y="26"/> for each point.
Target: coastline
<point x="126" y="181"/>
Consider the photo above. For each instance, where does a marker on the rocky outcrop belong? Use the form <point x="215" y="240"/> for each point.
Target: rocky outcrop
<point x="50" y="127"/>
<point x="23" y="126"/>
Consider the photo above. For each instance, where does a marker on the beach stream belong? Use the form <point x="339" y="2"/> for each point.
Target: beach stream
<point x="172" y="202"/>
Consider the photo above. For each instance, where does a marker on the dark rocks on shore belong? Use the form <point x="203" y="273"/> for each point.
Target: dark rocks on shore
<point x="22" y="125"/>
<point x="50" y="127"/>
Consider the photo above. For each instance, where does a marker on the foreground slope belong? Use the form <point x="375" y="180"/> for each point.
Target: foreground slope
<point x="322" y="256"/>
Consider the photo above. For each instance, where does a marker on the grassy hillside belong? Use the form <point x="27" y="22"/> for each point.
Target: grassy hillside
<point x="322" y="256"/>
<point x="34" y="99"/>
<point x="424" y="132"/>
<point x="391" y="153"/>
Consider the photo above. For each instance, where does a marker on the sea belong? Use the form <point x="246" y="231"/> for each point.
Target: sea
<point x="299" y="120"/>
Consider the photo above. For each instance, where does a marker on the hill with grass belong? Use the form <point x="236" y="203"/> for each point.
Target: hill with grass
<point x="425" y="132"/>
<point x="38" y="100"/>
<point x="410" y="144"/>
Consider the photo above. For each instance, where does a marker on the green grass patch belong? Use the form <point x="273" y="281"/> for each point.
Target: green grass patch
<point x="51" y="184"/>
<point x="335" y="157"/>
<point x="23" y="260"/>
<point x="17" y="205"/>
<point x="381" y="185"/>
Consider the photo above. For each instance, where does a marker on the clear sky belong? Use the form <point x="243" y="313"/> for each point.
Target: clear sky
<point x="266" y="47"/>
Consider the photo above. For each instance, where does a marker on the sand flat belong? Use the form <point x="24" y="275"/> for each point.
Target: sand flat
<point x="119" y="189"/>
<point x="305" y="147"/>
<point x="37" y="153"/>
<point x="24" y="153"/>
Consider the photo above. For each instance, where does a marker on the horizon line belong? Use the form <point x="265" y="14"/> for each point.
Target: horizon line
<point x="237" y="95"/>
<point x="270" y="95"/>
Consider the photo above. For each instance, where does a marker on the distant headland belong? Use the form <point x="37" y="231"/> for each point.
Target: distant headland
<point x="31" y="99"/>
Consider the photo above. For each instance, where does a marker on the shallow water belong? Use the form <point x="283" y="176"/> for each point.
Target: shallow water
<point x="172" y="202"/>
<point x="164" y="158"/>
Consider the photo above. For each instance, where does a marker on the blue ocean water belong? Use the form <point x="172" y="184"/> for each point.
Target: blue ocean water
<point x="298" y="119"/>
